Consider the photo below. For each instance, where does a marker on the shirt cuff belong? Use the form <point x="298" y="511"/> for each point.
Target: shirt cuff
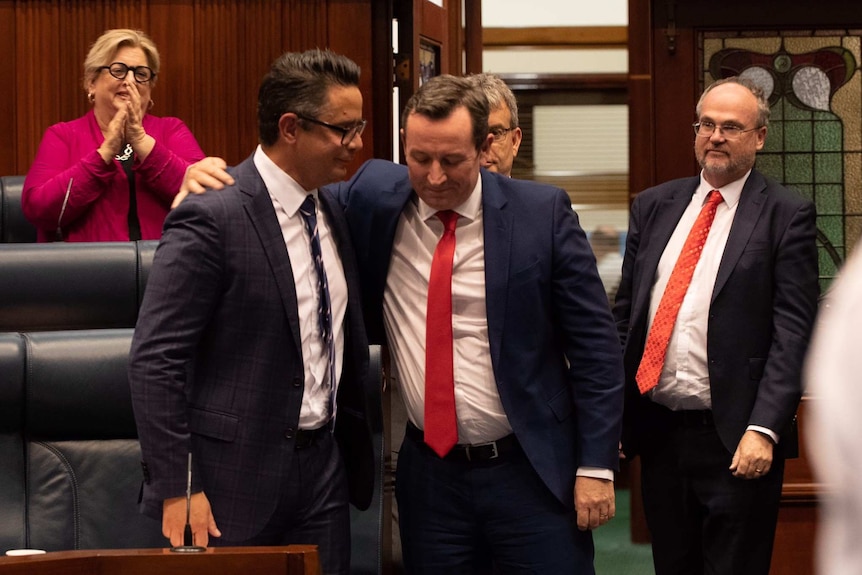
<point x="767" y="432"/>
<point x="596" y="473"/>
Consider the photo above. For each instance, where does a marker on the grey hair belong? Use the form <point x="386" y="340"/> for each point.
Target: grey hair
<point x="498" y="94"/>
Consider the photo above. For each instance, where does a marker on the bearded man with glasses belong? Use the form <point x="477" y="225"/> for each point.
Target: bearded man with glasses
<point x="714" y="310"/>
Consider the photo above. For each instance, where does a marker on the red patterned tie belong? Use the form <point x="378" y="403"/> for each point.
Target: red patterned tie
<point x="655" y="349"/>
<point x="441" y="430"/>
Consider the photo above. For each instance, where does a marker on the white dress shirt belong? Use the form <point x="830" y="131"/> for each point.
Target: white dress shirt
<point x="477" y="403"/>
<point x="684" y="381"/>
<point x="287" y="196"/>
<point x="479" y="411"/>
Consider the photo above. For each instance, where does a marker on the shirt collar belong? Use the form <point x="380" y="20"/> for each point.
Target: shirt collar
<point x="286" y="191"/>
<point x="469" y="209"/>
<point x="730" y="193"/>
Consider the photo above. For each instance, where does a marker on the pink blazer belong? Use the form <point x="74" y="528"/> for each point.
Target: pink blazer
<point x="98" y="202"/>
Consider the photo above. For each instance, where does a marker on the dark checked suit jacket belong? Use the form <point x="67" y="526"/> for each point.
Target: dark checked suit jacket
<point x="216" y="364"/>
<point x="761" y="312"/>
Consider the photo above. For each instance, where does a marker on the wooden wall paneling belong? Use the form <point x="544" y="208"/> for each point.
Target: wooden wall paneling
<point x="38" y="106"/>
<point x="472" y="36"/>
<point x="349" y="24"/>
<point x="435" y="27"/>
<point x="8" y="97"/>
<point x="264" y="30"/>
<point x="676" y="92"/>
<point x="419" y="20"/>
<point x="224" y="63"/>
<point x="640" y="87"/>
<point x="641" y="176"/>
<point x="172" y="28"/>
<point x="456" y="48"/>
<point x="382" y="71"/>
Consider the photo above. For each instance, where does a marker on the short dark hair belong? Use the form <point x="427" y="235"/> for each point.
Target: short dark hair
<point x="438" y="97"/>
<point x="299" y="82"/>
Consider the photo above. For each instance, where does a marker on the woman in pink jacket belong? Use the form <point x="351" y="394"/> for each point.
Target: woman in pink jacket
<point x="110" y="175"/>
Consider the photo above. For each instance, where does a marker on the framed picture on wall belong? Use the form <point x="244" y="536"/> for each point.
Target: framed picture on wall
<point x="429" y="60"/>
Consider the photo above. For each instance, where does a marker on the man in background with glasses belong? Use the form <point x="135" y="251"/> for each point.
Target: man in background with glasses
<point x="250" y="328"/>
<point x="715" y="309"/>
<point x="502" y="123"/>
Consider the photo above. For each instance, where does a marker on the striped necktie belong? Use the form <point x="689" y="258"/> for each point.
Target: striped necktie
<point x="308" y="211"/>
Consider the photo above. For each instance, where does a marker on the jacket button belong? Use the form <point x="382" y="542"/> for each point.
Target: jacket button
<point x="297" y="382"/>
<point x="289" y="433"/>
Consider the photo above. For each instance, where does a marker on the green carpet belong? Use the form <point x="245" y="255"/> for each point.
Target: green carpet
<point x="615" y="553"/>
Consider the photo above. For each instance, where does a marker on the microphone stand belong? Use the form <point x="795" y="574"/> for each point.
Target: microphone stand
<point x="188" y="545"/>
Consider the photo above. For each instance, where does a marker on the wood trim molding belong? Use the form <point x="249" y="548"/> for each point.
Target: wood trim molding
<point x="568" y="37"/>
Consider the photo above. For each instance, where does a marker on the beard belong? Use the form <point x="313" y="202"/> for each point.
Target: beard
<point x="730" y="165"/>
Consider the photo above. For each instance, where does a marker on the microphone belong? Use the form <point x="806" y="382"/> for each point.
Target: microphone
<point x="188" y="545"/>
<point x="59" y="233"/>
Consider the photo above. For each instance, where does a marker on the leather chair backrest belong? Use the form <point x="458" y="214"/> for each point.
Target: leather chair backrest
<point x="146" y="252"/>
<point x="14" y="227"/>
<point x="72" y="285"/>
<point x="12" y="500"/>
<point x="83" y="473"/>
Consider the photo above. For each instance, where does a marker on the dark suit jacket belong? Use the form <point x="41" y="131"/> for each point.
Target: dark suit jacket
<point x="761" y="313"/>
<point x="545" y="305"/>
<point x="216" y="364"/>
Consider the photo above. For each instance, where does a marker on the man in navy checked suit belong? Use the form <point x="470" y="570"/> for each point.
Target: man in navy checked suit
<point x="228" y="361"/>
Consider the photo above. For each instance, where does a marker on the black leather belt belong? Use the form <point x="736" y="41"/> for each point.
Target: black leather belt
<point x="481" y="452"/>
<point x="307" y="437"/>
<point x="694" y="418"/>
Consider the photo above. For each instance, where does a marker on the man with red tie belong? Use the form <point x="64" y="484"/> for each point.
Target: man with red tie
<point x="715" y="309"/>
<point x="487" y="292"/>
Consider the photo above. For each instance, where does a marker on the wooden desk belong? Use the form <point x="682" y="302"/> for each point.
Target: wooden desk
<point x="289" y="560"/>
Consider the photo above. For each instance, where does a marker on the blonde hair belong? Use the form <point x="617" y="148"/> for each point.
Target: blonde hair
<point x="108" y="44"/>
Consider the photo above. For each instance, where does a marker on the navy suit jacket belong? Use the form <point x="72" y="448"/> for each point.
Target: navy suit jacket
<point x="216" y="364"/>
<point x="761" y="312"/>
<point x="554" y="351"/>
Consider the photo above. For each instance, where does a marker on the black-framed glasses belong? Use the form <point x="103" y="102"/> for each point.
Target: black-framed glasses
<point x="729" y="131"/>
<point x="118" y="70"/>
<point x="347" y="133"/>
<point x="500" y="133"/>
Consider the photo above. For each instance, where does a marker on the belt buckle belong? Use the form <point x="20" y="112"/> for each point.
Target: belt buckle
<point x="493" y="444"/>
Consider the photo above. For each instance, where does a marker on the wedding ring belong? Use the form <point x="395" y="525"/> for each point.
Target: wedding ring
<point x="758" y="471"/>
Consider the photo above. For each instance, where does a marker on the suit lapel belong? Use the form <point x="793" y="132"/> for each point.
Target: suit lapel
<point x="751" y="203"/>
<point x="262" y="214"/>
<point x="498" y="226"/>
<point x="667" y="214"/>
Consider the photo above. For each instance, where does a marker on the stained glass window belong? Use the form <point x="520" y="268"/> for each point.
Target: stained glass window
<point x="814" y="142"/>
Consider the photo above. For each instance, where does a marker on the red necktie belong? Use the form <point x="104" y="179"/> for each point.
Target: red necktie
<point x="655" y="349"/>
<point x="441" y="430"/>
